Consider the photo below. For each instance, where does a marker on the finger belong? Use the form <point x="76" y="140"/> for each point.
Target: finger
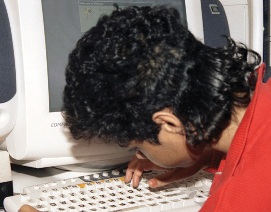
<point x="163" y="179"/>
<point x="135" y="170"/>
<point x="27" y="208"/>
<point x="142" y="166"/>
<point x="171" y="176"/>
<point x="138" y="171"/>
<point x="133" y="177"/>
<point x="130" y="170"/>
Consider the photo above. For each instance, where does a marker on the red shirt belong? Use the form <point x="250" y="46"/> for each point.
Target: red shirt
<point x="245" y="181"/>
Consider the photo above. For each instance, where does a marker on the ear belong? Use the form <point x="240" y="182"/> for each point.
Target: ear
<point x="168" y="122"/>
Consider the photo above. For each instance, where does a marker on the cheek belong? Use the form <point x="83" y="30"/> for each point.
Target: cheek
<point x="170" y="157"/>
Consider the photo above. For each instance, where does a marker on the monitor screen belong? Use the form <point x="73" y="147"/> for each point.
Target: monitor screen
<point x="65" y="21"/>
<point x="44" y="32"/>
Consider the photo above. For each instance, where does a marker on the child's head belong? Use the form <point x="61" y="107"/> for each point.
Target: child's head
<point x="138" y="61"/>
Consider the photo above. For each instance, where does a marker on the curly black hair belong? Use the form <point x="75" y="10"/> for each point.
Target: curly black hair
<point x="140" y="60"/>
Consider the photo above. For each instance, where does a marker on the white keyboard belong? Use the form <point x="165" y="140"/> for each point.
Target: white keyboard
<point x="107" y="191"/>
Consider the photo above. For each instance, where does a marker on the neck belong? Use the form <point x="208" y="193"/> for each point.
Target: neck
<point x="227" y="135"/>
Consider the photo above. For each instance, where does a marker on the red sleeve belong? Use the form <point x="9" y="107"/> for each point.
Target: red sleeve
<point x="245" y="182"/>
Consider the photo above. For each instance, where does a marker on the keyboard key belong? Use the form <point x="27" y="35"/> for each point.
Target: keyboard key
<point x="106" y="192"/>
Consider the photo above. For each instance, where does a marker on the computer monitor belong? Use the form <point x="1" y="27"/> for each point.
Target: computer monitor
<point x="7" y="76"/>
<point x="43" y="34"/>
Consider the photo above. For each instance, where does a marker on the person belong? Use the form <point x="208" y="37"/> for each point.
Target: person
<point x="140" y="79"/>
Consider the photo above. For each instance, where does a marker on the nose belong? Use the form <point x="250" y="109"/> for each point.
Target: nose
<point x="140" y="155"/>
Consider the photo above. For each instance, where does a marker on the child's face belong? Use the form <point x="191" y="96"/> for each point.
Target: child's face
<point x="172" y="152"/>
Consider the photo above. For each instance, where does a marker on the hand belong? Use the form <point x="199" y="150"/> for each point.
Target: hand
<point x="27" y="208"/>
<point x="136" y="167"/>
<point x="173" y="175"/>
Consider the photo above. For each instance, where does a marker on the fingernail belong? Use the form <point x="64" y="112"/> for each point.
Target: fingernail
<point x="153" y="183"/>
